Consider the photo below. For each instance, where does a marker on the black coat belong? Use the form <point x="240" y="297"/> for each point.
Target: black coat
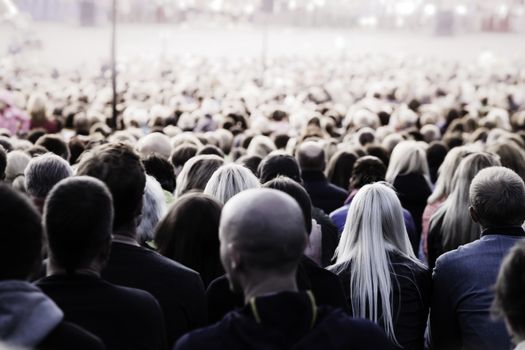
<point x="123" y="318"/>
<point x="324" y="285"/>
<point x="179" y="290"/>
<point x="67" y="336"/>
<point x="323" y="194"/>
<point x="287" y="320"/>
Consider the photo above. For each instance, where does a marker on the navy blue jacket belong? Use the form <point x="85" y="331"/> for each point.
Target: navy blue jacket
<point x="462" y="296"/>
<point x="287" y="320"/>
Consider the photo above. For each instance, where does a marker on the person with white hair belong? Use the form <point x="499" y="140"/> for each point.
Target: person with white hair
<point x="154" y="143"/>
<point x="42" y="173"/>
<point x="154" y="208"/>
<point x="382" y="278"/>
<point x="463" y="279"/>
<point x="261" y="146"/>
<point x="196" y="173"/>
<point x="409" y="174"/>
<point x="228" y="180"/>
<point x="17" y="162"/>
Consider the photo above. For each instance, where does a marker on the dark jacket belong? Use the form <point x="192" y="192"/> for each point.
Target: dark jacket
<point x="179" y="290"/>
<point x="123" y="318"/>
<point x="410" y="295"/>
<point x="324" y="285"/>
<point x="324" y="195"/>
<point x="435" y="240"/>
<point x="413" y="191"/>
<point x="462" y="296"/>
<point x="29" y="318"/>
<point x="287" y="320"/>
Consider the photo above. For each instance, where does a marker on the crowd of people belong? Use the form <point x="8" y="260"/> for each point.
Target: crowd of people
<point x="353" y="203"/>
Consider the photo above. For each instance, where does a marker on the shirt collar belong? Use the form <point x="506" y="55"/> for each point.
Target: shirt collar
<point x="516" y="231"/>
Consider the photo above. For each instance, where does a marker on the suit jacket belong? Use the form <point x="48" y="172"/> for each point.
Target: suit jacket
<point x="462" y="297"/>
<point x="178" y="289"/>
<point x="324" y="195"/>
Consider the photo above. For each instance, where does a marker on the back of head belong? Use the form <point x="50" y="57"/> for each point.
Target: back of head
<point x="44" y="172"/>
<point x="54" y="144"/>
<point x="367" y="170"/>
<point x="78" y="216"/>
<point x="161" y="169"/>
<point x="295" y="190"/>
<point x="408" y="157"/>
<point x="154" y="143"/>
<point x="310" y="156"/>
<point x="511" y="156"/>
<point x="3" y="163"/>
<point x="181" y="154"/>
<point x="196" y="173"/>
<point x="120" y="168"/>
<point x="340" y="167"/>
<point x="21" y="236"/>
<point x="265" y="229"/>
<point x="229" y="180"/>
<point x="279" y="164"/>
<point x="497" y="195"/>
<point x="250" y="162"/>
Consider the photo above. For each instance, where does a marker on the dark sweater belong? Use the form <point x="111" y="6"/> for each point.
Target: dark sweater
<point x="179" y="290"/>
<point x="324" y="285"/>
<point x="287" y="320"/>
<point x="123" y="318"/>
<point x="324" y="195"/>
<point x="410" y="295"/>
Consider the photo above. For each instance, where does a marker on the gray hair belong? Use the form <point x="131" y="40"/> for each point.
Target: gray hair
<point x="44" y="172"/>
<point x="196" y="173"/>
<point x="497" y="195"/>
<point x="16" y="164"/>
<point x="154" y="143"/>
<point x="154" y="208"/>
<point x="229" y="180"/>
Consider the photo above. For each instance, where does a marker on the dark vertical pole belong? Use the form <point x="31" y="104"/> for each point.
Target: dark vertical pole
<point x="114" y="63"/>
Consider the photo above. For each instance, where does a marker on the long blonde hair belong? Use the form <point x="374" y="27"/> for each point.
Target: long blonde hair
<point x="374" y="226"/>
<point x="408" y="157"/>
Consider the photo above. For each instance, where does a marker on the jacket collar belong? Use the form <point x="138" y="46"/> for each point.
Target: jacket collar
<point x="310" y="175"/>
<point x="515" y="231"/>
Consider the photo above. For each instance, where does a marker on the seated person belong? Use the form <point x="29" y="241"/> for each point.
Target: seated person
<point x="263" y="237"/>
<point x="77" y="216"/>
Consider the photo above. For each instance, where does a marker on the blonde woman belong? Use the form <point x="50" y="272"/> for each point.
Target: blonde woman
<point x="229" y="180"/>
<point x="382" y="278"/>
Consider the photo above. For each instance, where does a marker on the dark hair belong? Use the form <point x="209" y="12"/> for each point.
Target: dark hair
<point x="35" y="151"/>
<point x="76" y="148"/>
<point x="511" y="156"/>
<point x="436" y="153"/>
<point x="21" y="236"/>
<point x="189" y="234"/>
<point x="251" y="162"/>
<point x="6" y="144"/>
<point x="35" y="134"/>
<point x="80" y="239"/>
<point x="55" y="144"/>
<point x="295" y="190"/>
<point x="281" y="140"/>
<point x="120" y="168"/>
<point x="3" y="163"/>
<point x="211" y="149"/>
<point x="339" y="169"/>
<point x="379" y="152"/>
<point x="162" y="170"/>
<point x="367" y="170"/>
<point x="279" y="164"/>
<point x="182" y="153"/>
<point x="510" y="288"/>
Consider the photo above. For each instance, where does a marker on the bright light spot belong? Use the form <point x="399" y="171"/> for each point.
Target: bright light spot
<point x="310" y="7"/>
<point x="249" y="9"/>
<point x="216" y="5"/>
<point x="340" y="42"/>
<point x="321" y="3"/>
<point x="503" y="10"/>
<point x="429" y="10"/>
<point x="292" y="5"/>
<point x="461" y="10"/>
<point x="405" y="8"/>
<point x="400" y="22"/>
<point x="369" y="21"/>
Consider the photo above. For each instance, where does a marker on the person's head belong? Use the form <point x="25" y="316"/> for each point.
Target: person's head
<point x="82" y="240"/>
<point x="229" y="180"/>
<point x="161" y="169"/>
<point x="294" y="189"/>
<point x="262" y="237"/>
<point x="279" y="164"/>
<point x="367" y="170"/>
<point x="497" y="198"/>
<point x="339" y="169"/>
<point x="120" y="168"/>
<point x="378" y="151"/>
<point x="511" y="156"/>
<point x="374" y="226"/>
<point x="154" y="208"/>
<point x="3" y="163"/>
<point x="54" y="144"/>
<point x="436" y="153"/>
<point x="21" y="235"/>
<point x="457" y="228"/>
<point x="250" y="162"/>
<point x="408" y="157"/>
<point x="154" y="143"/>
<point x="16" y="164"/>
<point x="185" y="237"/>
<point x="44" y="172"/>
<point x="261" y="146"/>
<point x="310" y="156"/>
<point x="196" y="173"/>
<point x="181" y="154"/>
<point x="509" y="290"/>
<point x="211" y="149"/>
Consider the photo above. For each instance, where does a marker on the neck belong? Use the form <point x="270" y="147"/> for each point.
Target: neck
<point x="53" y="269"/>
<point x="126" y="234"/>
<point x="258" y="287"/>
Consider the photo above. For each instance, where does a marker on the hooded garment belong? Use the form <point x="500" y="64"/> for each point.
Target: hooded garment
<point x="27" y="315"/>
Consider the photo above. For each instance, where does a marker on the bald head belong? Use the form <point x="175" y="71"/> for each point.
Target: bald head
<point x="265" y="229"/>
<point x="310" y="156"/>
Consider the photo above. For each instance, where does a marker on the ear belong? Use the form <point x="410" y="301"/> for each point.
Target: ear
<point x="235" y="260"/>
<point x="473" y="215"/>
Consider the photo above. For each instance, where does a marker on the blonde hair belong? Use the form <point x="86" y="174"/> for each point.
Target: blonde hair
<point x="229" y="180"/>
<point x="374" y="226"/>
<point x="408" y="157"/>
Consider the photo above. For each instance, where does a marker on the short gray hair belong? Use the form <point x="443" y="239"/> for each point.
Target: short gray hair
<point x="497" y="194"/>
<point x="44" y="172"/>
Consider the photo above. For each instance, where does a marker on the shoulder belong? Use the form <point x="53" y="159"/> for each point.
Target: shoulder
<point x="209" y="337"/>
<point x="70" y="336"/>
